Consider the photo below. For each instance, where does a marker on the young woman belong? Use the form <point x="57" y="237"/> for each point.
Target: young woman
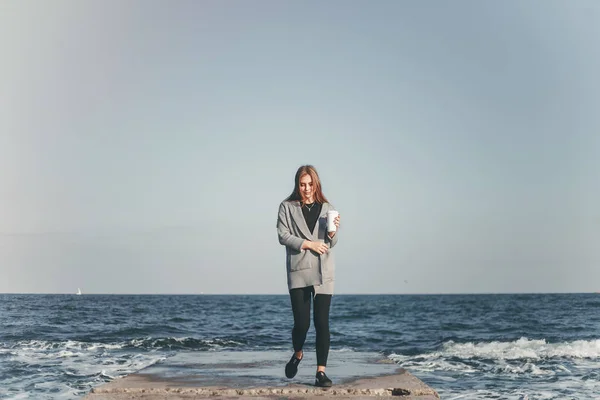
<point x="302" y="229"/>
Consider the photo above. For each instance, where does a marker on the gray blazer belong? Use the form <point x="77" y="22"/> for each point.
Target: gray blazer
<point x="305" y="267"/>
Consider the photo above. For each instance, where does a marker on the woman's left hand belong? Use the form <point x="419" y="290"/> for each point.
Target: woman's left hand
<point x="336" y="222"/>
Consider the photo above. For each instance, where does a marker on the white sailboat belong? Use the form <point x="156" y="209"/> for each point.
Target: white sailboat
<point x="78" y="292"/>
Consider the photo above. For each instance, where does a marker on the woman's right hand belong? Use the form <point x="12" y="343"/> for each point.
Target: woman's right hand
<point x="319" y="247"/>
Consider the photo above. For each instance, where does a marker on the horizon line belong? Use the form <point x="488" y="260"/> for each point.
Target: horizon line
<point x="286" y="294"/>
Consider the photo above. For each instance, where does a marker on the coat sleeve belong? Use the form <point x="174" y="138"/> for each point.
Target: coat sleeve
<point x="332" y="241"/>
<point x="283" y="231"/>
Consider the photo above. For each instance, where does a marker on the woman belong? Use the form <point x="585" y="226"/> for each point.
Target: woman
<point x="302" y="229"/>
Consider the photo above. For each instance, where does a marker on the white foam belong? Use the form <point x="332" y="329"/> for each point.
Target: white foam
<point x="89" y="364"/>
<point x="342" y="350"/>
<point x="531" y="393"/>
<point x="526" y="368"/>
<point x="522" y="348"/>
<point x="547" y="370"/>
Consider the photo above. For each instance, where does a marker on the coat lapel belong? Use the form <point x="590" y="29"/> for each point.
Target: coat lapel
<point x="298" y="218"/>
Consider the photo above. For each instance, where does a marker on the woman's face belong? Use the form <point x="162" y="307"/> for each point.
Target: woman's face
<point x="306" y="188"/>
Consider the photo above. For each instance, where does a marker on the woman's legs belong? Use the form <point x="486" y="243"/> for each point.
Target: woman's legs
<point x="301" y="299"/>
<point x="321" y="319"/>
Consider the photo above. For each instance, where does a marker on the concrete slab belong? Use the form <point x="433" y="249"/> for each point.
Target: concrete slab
<point x="258" y="375"/>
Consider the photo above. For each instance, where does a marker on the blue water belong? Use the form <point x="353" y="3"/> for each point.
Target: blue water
<point x="535" y="346"/>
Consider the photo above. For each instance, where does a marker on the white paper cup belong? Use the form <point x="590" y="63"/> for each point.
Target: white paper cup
<point x="331" y="215"/>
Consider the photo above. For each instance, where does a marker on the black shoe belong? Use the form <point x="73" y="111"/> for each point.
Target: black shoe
<point x="291" y="368"/>
<point x="322" y="380"/>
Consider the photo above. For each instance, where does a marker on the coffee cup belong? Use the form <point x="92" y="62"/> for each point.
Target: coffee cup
<point x="331" y="216"/>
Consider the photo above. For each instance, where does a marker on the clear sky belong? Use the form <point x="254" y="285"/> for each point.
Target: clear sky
<point x="145" y="146"/>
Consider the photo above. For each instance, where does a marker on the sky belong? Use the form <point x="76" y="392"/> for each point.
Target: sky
<point x="145" y="147"/>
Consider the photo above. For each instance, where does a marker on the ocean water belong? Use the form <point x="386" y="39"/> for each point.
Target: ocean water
<point x="504" y="346"/>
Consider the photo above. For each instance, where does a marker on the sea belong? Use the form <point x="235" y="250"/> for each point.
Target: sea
<point x="472" y="346"/>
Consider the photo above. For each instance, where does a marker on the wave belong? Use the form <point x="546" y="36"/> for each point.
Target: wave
<point x="522" y="348"/>
<point x="523" y="368"/>
<point x="67" y="369"/>
<point x="522" y="356"/>
<point x="189" y="343"/>
<point x="149" y="343"/>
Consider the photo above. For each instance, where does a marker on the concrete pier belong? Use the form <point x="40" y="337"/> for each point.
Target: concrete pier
<point x="259" y="375"/>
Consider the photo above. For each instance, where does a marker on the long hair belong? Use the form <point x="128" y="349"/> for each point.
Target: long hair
<point x="307" y="170"/>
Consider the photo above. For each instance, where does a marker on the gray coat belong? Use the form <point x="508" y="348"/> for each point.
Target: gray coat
<point x="305" y="267"/>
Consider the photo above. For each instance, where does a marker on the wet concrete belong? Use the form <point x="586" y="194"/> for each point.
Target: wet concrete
<point x="260" y="375"/>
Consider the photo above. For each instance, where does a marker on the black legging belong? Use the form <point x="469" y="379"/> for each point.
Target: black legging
<point x="301" y="308"/>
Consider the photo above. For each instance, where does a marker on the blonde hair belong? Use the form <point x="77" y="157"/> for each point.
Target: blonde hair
<point x="312" y="172"/>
